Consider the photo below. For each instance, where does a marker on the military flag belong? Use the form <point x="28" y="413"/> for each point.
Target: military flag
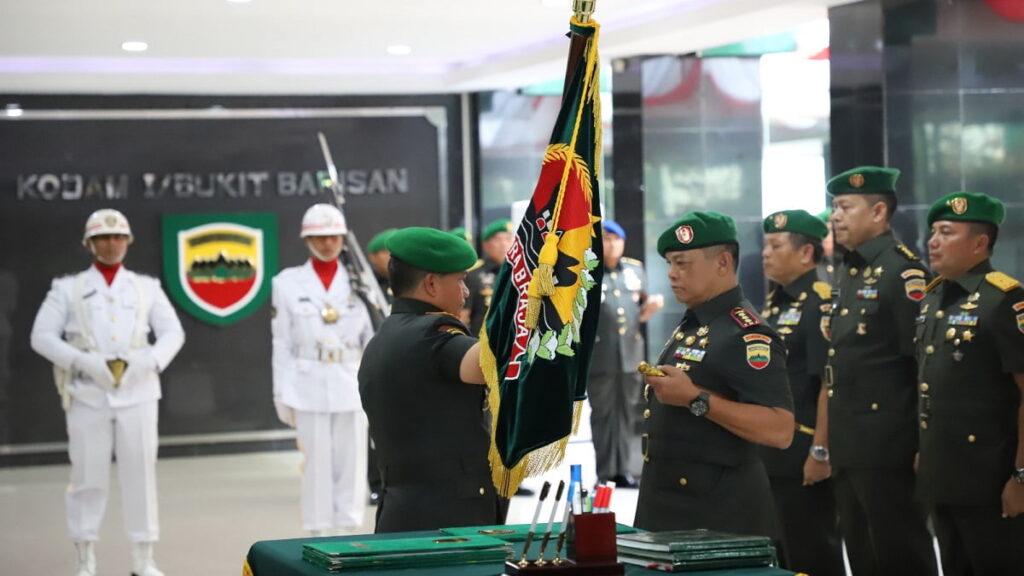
<point x="539" y="331"/>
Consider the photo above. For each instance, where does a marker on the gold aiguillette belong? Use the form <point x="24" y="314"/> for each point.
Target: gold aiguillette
<point x="117" y="368"/>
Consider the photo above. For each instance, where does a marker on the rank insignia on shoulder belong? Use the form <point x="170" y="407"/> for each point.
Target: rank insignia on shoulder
<point x="759" y="350"/>
<point x="1002" y="281"/>
<point x="448" y="329"/>
<point x="906" y="252"/>
<point x="632" y="261"/>
<point x="745" y="318"/>
<point x="822" y="289"/>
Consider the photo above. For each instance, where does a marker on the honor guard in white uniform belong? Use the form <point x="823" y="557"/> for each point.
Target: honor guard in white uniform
<point x="109" y="333"/>
<point x="320" y="327"/>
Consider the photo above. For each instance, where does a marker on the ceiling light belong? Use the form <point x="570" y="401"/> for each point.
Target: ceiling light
<point x="14" y="110"/>
<point x="399" y="50"/>
<point x="134" y="46"/>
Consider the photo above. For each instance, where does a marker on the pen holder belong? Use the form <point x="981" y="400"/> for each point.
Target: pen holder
<point x="594" y="538"/>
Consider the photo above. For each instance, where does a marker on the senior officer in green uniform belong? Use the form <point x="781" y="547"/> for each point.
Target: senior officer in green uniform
<point x="724" y="391"/>
<point x="614" y="386"/>
<point x="421" y="385"/>
<point x="970" y="349"/>
<point x="497" y="239"/>
<point x="871" y="379"/>
<point x="798" y="308"/>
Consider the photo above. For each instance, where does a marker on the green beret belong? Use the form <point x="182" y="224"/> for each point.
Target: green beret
<point x="432" y="250"/>
<point x="864" y="180"/>
<point x="503" y="225"/>
<point x="825" y="216"/>
<point x="967" y="207"/>
<point x="797" y="221"/>
<point x="697" y="230"/>
<point x="460" y="232"/>
<point x="380" y="241"/>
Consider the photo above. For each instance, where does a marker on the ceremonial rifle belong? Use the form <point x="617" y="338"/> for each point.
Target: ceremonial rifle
<point x="360" y="274"/>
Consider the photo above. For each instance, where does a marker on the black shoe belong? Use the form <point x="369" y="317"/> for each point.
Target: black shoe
<point x="374" y="498"/>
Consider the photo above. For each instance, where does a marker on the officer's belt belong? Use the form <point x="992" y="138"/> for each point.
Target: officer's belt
<point x="432" y="471"/>
<point x="327" y="355"/>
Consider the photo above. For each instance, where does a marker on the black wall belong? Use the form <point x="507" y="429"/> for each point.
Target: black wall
<point x="220" y="382"/>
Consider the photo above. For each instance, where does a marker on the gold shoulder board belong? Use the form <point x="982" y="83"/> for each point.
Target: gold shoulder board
<point x="632" y="261"/>
<point x="933" y="284"/>
<point x="1001" y="281"/>
<point x="906" y="252"/>
<point x="822" y="289"/>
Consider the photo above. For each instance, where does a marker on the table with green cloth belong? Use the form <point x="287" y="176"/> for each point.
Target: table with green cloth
<point x="284" y="558"/>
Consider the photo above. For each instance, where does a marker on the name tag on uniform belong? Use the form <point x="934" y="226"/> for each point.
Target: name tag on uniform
<point x="790" y="317"/>
<point x="691" y="354"/>
<point x="963" y="319"/>
<point x="867" y="294"/>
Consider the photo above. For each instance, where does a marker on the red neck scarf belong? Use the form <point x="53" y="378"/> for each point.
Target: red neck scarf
<point x="107" y="270"/>
<point x="325" y="270"/>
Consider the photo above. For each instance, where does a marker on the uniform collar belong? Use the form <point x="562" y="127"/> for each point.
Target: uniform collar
<point x="801" y="285"/>
<point x="716" y="306"/>
<point x="868" y="251"/>
<point x="403" y="305"/>
<point x="972" y="279"/>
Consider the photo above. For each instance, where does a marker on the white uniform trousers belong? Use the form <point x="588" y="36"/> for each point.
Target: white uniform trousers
<point x="94" y="434"/>
<point x="334" y="488"/>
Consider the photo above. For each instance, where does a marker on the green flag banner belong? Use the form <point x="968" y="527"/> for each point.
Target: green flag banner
<point x="539" y="332"/>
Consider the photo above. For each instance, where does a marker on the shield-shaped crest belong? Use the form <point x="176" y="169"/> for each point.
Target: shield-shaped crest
<point x="684" y="234"/>
<point x="780" y="221"/>
<point x="218" y="266"/>
<point x="1019" y="307"/>
<point x="856" y="180"/>
<point x="959" y="205"/>
<point x="759" y="350"/>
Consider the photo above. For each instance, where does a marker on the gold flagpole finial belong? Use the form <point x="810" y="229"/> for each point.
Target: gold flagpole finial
<point x="583" y="9"/>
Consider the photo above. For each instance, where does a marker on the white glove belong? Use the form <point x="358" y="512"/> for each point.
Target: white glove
<point x="140" y="363"/>
<point x="286" y="414"/>
<point x="95" y="367"/>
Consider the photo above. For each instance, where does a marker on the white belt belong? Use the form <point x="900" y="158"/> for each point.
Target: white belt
<point x="327" y="355"/>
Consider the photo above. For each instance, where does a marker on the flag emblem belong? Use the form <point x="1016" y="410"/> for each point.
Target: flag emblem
<point x="218" y="266"/>
<point x="915" y="288"/>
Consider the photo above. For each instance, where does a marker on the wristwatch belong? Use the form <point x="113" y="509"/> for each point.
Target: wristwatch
<point x="1018" y="474"/>
<point x="700" y="406"/>
<point x="819" y="453"/>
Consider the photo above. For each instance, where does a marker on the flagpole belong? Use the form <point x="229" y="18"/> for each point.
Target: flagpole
<point x="582" y="10"/>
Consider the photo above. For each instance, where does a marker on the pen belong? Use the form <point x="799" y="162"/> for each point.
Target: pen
<point x="533" y="525"/>
<point x="551" y="521"/>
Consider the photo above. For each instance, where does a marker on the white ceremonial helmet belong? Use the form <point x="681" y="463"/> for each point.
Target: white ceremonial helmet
<point x="323" y="220"/>
<point x="106" y="221"/>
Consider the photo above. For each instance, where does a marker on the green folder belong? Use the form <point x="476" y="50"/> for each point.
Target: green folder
<point x="517" y="532"/>
<point x="441" y="550"/>
<point x="722" y="563"/>
<point x="689" y="540"/>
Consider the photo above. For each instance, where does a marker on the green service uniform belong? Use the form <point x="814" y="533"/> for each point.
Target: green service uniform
<point x="808" y="520"/>
<point x="614" y="387"/>
<point x="970" y="343"/>
<point x="480" y="283"/>
<point x="430" y="428"/>
<point x="872" y="408"/>
<point x="696" y="473"/>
